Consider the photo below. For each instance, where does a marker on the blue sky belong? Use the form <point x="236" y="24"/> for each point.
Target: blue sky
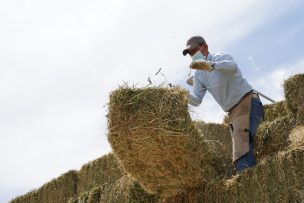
<point x="60" y="59"/>
<point x="276" y="41"/>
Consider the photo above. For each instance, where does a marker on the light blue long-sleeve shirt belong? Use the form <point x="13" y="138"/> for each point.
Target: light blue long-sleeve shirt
<point x="225" y="83"/>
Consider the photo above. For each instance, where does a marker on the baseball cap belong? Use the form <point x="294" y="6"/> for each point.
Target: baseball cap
<point x="192" y="43"/>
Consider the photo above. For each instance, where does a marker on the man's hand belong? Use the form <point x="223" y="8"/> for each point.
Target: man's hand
<point x="202" y="65"/>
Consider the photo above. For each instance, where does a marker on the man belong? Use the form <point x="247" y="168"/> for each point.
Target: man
<point x="219" y="74"/>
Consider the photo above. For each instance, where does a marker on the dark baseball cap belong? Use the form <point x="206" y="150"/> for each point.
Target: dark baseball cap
<point x="192" y="43"/>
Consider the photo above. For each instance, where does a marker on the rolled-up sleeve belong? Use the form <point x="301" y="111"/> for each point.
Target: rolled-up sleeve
<point x="225" y="63"/>
<point x="198" y="93"/>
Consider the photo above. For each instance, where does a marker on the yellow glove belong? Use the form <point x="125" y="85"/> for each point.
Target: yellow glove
<point x="202" y="65"/>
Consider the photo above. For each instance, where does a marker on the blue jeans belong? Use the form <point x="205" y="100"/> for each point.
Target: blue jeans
<point x="256" y="117"/>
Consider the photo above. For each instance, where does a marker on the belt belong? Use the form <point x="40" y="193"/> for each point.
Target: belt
<point x="254" y="95"/>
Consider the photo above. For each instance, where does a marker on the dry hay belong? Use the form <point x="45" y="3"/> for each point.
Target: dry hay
<point x="279" y="178"/>
<point x="92" y="174"/>
<point x="274" y="111"/>
<point x="154" y="139"/>
<point x="219" y="139"/>
<point x="272" y="136"/>
<point x="98" y="172"/>
<point x="296" y="138"/>
<point x="122" y="190"/>
<point x="294" y="94"/>
<point x="58" y="190"/>
<point x="216" y="132"/>
<point x="152" y="135"/>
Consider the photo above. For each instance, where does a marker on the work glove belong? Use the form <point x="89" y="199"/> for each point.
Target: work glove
<point x="201" y="64"/>
<point x="190" y="81"/>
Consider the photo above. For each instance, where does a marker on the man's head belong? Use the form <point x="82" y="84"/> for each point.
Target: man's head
<point x="194" y="44"/>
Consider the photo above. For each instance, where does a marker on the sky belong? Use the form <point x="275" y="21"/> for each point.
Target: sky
<point x="60" y="59"/>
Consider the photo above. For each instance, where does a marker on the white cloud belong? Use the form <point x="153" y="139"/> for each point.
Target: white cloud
<point x="208" y="111"/>
<point x="271" y="83"/>
<point x="253" y="64"/>
<point x="60" y="59"/>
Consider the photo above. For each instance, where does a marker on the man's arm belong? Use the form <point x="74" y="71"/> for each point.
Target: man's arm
<point x="196" y="97"/>
<point x="225" y="63"/>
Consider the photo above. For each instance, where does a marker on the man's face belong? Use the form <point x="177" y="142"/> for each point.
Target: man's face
<point x="192" y="51"/>
<point x="202" y="48"/>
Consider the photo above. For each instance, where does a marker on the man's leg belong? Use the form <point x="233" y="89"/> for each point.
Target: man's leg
<point x="246" y="161"/>
<point x="256" y="116"/>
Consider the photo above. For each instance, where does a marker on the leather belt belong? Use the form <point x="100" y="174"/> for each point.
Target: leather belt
<point x="254" y="95"/>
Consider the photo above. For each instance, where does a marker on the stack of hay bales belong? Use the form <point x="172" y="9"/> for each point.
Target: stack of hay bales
<point x="73" y="183"/>
<point x="57" y="190"/>
<point x="157" y="149"/>
<point x="278" y="178"/>
<point x="154" y="139"/>
<point x="279" y="175"/>
<point x="281" y="118"/>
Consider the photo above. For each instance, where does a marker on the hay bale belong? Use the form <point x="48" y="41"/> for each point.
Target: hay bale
<point x="58" y="190"/>
<point x="154" y="139"/>
<point x="296" y="138"/>
<point x="274" y="111"/>
<point x="98" y="172"/>
<point x="273" y="136"/>
<point x="219" y="138"/>
<point x="279" y="178"/>
<point x="124" y="189"/>
<point x="72" y="183"/>
<point x="294" y="94"/>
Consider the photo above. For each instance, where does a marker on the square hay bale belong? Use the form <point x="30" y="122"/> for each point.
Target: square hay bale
<point x="274" y="111"/>
<point x="273" y="136"/>
<point x="279" y="178"/>
<point x="154" y="139"/>
<point x="58" y="190"/>
<point x="294" y="94"/>
<point x="219" y="138"/>
<point x="124" y="189"/>
<point x="98" y="172"/>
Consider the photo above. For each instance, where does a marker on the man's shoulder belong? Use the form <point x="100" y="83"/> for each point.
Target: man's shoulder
<point x="221" y="54"/>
